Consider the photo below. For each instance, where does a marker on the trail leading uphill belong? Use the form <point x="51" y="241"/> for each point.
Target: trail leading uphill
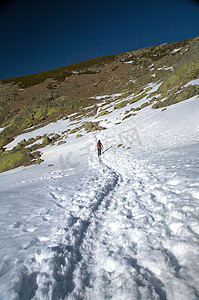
<point x="128" y="229"/>
<point x="138" y="249"/>
<point x="124" y="226"/>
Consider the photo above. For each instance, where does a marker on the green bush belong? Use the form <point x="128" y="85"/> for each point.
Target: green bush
<point x="38" y="137"/>
<point x="53" y="110"/>
<point x="121" y="104"/>
<point x="137" y="108"/>
<point x="56" y="137"/>
<point x="13" y="159"/>
<point x="46" y="140"/>
<point x="186" y="69"/>
<point x="74" y="130"/>
<point x="135" y="99"/>
<point x="138" y="92"/>
<point x="125" y="94"/>
<point x="158" y="104"/>
<point x="3" y="140"/>
<point x="128" y="116"/>
<point x="148" y="89"/>
<point x="2" y="150"/>
<point x="173" y="98"/>
<point x="102" y="113"/>
<point x="61" y="143"/>
<point x="22" y="143"/>
<point x="30" y="141"/>
<point x="144" y="105"/>
<point x="86" y="125"/>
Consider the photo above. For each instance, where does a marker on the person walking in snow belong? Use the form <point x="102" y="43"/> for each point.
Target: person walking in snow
<point x="99" y="147"/>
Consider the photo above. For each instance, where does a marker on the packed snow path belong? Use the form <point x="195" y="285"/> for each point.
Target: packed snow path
<point x="125" y="228"/>
<point x="137" y="246"/>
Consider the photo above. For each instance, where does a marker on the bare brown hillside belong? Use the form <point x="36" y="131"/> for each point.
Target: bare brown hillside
<point x="41" y="98"/>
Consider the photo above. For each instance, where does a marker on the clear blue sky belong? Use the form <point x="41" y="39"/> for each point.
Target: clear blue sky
<point x="40" y="35"/>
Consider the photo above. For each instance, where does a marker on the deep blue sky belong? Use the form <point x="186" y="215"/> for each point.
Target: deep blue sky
<point x="40" y="35"/>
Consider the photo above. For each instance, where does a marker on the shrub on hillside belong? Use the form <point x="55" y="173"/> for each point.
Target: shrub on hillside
<point x="144" y="105"/>
<point x="121" y="104"/>
<point x="138" y="92"/>
<point x="102" y="113"/>
<point x="173" y="98"/>
<point x="46" y="140"/>
<point x="15" y="158"/>
<point x="135" y="99"/>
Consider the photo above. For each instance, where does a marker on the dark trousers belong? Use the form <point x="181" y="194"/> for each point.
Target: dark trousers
<point x="99" y="151"/>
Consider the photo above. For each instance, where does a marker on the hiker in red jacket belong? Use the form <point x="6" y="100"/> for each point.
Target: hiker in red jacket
<point x="99" y="147"/>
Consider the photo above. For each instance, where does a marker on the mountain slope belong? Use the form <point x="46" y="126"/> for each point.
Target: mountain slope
<point x="122" y="226"/>
<point x="38" y="99"/>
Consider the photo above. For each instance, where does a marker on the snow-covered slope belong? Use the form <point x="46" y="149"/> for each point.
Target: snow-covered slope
<point x="122" y="226"/>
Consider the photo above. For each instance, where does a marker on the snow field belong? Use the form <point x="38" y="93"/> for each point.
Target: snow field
<point x="124" y="226"/>
<point x="131" y="258"/>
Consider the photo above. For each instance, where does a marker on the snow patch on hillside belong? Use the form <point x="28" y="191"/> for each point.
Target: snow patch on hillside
<point x="192" y="82"/>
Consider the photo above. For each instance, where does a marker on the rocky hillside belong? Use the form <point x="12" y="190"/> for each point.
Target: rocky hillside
<point x="93" y="88"/>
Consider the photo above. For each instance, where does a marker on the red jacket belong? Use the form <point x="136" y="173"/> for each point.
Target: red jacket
<point x="99" y="145"/>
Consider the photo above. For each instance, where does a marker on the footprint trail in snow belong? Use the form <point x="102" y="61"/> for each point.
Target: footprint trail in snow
<point x="127" y="228"/>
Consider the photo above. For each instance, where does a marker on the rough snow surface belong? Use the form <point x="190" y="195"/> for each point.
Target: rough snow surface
<point x="192" y="82"/>
<point x="166" y="68"/>
<point x="175" y="50"/>
<point x="122" y="226"/>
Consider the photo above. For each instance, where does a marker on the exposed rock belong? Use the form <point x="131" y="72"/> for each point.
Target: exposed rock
<point x="93" y="126"/>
